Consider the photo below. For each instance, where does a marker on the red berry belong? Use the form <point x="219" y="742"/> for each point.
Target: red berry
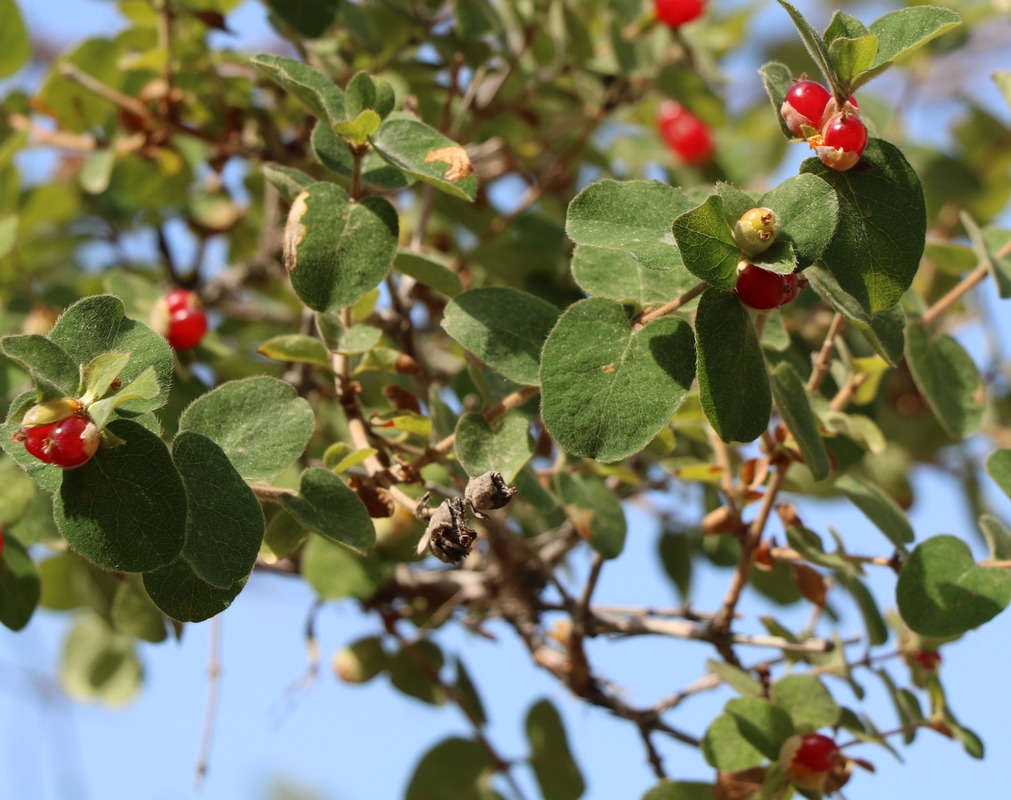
<point x="841" y="142"/>
<point x="760" y="289"/>
<point x="179" y="317"/>
<point x="685" y="134"/>
<point x="804" y="105"/>
<point x="67" y="443"/>
<point x="809" y="759"/>
<point x="930" y="660"/>
<point x="677" y="12"/>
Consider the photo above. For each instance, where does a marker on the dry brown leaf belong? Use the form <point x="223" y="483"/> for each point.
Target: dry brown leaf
<point x="457" y="158"/>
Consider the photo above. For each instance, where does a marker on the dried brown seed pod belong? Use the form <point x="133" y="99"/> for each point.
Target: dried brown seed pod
<point x="487" y="492"/>
<point x="448" y="536"/>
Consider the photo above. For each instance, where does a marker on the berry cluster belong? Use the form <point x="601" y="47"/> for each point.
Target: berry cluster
<point x="685" y="134"/>
<point x="835" y="133"/>
<point x="59" y="432"/>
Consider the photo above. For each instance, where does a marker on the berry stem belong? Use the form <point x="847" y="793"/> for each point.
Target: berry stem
<point x="674" y="304"/>
<point x="825" y="354"/>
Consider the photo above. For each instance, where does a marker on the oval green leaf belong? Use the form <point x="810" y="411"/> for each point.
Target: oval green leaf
<point x="325" y="504"/>
<point x="500" y="446"/>
<point x="607" y="388"/>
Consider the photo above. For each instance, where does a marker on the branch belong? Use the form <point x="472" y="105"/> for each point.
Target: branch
<point x="673" y="305"/>
<point x="825" y="354"/>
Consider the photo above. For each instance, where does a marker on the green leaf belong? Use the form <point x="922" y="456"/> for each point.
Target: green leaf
<point x="851" y="57"/>
<point x="125" y="509"/>
<point x="329" y="507"/>
<point x="807" y="701"/>
<point x="424" y="153"/>
<point x="780" y="258"/>
<point x="595" y="512"/>
<point x="778" y="80"/>
<point x="358" y="130"/>
<point x="884" y="330"/>
<point x="812" y="41"/>
<point x="505" y="328"/>
<point x="618" y="276"/>
<point x="427" y="270"/>
<point x="296" y="347"/>
<point x="877" y="629"/>
<point x="552" y="762"/>
<point x="903" y="31"/>
<point x="736" y="678"/>
<point x="733" y="379"/>
<point x="500" y="446"/>
<point x="998" y="467"/>
<point x="288" y="181"/>
<point x="134" y="612"/>
<point x="808" y="212"/>
<point x="337" y="251"/>
<point x="471" y="704"/>
<point x="412" y="669"/>
<point x="843" y="25"/>
<point x="765" y="725"/>
<point x="607" y="388"/>
<point x="997" y="536"/>
<point x="97" y="325"/>
<point x="706" y="244"/>
<point x="362" y="660"/>
<point x="224" y="527"/>
<point x="947" y="377"/>
<point x="334" y="153"/>
<point x="727" y="748"/>
<point x="336" y="572"/>
<point x="942" y="592"/>
<point x="15" y="43"/>
<point x="99" y="373"/>
<point x="144" y="387"/>
<point x="357" y="339"/>
<point x="261" y="423"/>
<point x="314" y="90"/>
<point x="181" y="595"/>
<point x="54" y="372"/>
<point x="676" y="550"/>
<point x="999" y="268"/>
<point x="366" y="92"/>
<point x="309" y="18"/>
<point x="20" y="588"/>
<point x="882" y="225"/>
<point x="879" y="508"/>
<point x="99" y="664"/>
<point x="455" y="768"/>
<point x="794" y="406"/>
<point x="680" y="790"/>
<point x="632" y="217"/>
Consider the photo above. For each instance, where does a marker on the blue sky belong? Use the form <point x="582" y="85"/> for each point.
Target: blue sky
<point x="361" y="743"/>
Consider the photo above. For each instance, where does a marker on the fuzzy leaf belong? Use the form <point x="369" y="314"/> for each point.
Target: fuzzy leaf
<point x="608" y="389"/>
<point x="632" y="217"/>
<point x="733" y="379"/>
<point x="224" y="527"/>
<point x="557" y="772"/>
<point x="125" y="508"/>
<point x="882" y="225"/>
<point x="706" y="244"/>
<point x="54" y="372"/>
<point x="500" y="446"/>
<point x="947" y="376"/>
<point x="314" y="90"/>
<point x="181" y="595"/>
<point x="261" y="424"/>
<point x="19" y="585"/>
<point x="424" y="153"/>
<point x="795" y="407"/>
<point x="942" y="592"/>
<point x="325" y="504"/>
<point x="879" y="508"/>
<point x="505" y="328"/>
<point x="337" y="251"/>
<point x="296" y="347"/>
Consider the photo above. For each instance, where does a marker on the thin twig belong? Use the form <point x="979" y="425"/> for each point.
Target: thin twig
<point x="673" y="305"/>
<point x="821" y="363"/>
<point x="213" y="699"/>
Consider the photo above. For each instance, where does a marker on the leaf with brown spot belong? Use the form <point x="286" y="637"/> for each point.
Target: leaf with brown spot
<point x="457" y="159"/>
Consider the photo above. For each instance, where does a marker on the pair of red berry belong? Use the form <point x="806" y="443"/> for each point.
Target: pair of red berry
<point x="59" y="432"/>
<point x="179" y="317"/>
<point x="836" y="134"/>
